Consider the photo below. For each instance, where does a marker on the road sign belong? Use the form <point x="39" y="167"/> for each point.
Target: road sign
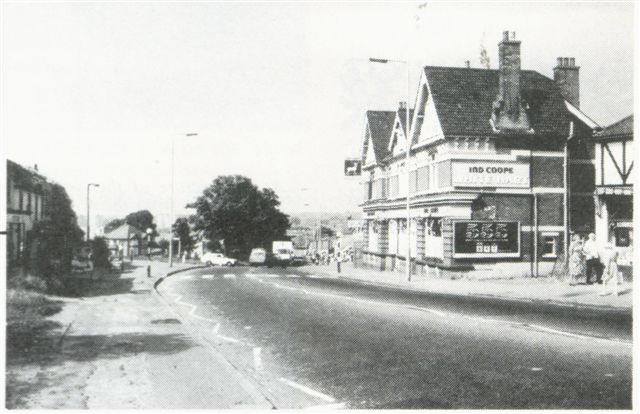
<point x="352" y="167"/>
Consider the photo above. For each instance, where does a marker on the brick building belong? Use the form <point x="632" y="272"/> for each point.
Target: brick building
<point x="491" y="151"/>
<point x="26" y="204"/>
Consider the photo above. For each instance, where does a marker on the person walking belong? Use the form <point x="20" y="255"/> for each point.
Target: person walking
<point x="592" y="257"/>
<point x="576" y="260"/>
<point x="611" y="275"/>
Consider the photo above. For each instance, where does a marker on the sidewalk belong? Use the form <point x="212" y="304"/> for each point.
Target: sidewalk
<point x="523" y="289"/>
<point x="120" y="347"/>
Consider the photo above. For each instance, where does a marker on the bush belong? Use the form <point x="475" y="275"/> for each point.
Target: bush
<point x="100" y="253"/>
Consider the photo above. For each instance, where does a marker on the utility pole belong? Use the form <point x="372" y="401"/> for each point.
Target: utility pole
<point x="171" y="219"/>
<point x="408" y="155"/>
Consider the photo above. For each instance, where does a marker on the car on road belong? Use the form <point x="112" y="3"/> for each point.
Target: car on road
<point x="217" y="259"/>
<point x="258" y="256"/>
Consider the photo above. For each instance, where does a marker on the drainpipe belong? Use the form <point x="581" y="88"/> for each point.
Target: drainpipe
<point x="535" y="234"/>
<point x="566" y="195"/>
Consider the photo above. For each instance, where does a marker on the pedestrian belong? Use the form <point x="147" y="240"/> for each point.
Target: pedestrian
<point x="611" y="275"/>
<point x="577" y="264"/>
<point x="592" y="258"/>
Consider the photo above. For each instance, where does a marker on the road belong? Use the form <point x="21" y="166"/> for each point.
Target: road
<point x="303" y="340"/>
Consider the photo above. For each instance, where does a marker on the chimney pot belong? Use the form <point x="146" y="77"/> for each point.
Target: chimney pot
<point x="402" y="105"/>
<point x="467" y="63"/>
<point x="505" y="36"/>
<point x="572" y="61"/>
<point x="513" y="35"/>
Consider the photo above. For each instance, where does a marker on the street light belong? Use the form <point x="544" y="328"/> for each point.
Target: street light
<point x="188" y="134"/>
<point x="409" y="142"/>
<point x="88" y="211"/>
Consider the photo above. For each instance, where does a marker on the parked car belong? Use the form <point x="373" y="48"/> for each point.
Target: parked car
<point x="258" y="256"/>
<point x="217" y="259"/>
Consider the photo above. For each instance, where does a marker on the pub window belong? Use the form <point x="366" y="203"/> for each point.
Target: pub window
<point x="434" y="227"/>
<point x="28" y="201"/>
<point x="622" y="236"/>
<point x="549" y="245"/>
<point x="20" y="201"/>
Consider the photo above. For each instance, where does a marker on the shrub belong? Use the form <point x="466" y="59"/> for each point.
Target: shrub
<point x="100" y="253"/>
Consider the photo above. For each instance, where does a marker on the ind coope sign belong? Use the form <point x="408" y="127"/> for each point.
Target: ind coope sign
<point x="489" y="174"/>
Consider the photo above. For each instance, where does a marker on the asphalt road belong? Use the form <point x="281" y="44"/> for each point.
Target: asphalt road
<point x="307" y="341"/>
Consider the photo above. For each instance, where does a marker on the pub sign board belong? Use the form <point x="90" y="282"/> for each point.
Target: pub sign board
<point x="352" y="167"/>
<point x="486" y="239"/>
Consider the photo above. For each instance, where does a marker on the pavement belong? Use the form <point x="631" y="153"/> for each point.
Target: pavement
<point x="543" y="289"/>
<point x="118" y="346"/>
<point x="308" y="340"/>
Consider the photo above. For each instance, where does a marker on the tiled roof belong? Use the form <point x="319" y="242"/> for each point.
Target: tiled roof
<point x="464" y="96"/>
<point x="622" y="127"/>
<point x="124" y="232"/>
<point x="380" y="125"/>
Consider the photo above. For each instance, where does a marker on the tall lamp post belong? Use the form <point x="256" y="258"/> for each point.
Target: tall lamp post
<point x="409" y="142"/>
<point x="88" y="210"/>
<point x="188" y="134"/>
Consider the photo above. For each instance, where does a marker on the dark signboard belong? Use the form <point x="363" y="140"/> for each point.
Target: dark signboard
<point x="486" y="239"/>
<point x="352" y="167"/>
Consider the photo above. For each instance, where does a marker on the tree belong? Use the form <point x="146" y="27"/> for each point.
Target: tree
<point x="182" y="231"/>
<point x="100" y="253"/>
<point x="235" y="210"/>
<point x="56" y="237"/>
<point x="142" y="220"/>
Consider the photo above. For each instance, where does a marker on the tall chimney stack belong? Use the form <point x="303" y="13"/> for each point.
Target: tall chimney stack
<point x="567" y="77"/>
<point x="508" y="112"/>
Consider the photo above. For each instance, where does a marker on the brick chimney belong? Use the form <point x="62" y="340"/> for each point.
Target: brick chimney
<point x="567" y="76"/>
<point x="509" y="115"/>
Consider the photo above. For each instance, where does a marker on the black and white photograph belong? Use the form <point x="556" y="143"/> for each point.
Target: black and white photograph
<point x="325" y="205"/>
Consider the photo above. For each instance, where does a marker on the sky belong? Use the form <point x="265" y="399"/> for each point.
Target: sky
<point x="97" y="92"/>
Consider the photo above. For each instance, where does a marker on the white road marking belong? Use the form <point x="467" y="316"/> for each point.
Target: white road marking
<point x="536" y="369"/>
<point x="435" y="312"/>
<point x="336" y="406"/>
<point x="257" y="358"/>
<point x="292" y="275"/>
<point x="608" y="375"/>
<point x="555" y="331"/>
<point x="208" y="276"/>
<point x="229" y="276"/>
<point x="188" y="277"/>
<point x="229" y="339"/>
<point x="308" y="390"/>
<point x="216" y="328"/>
<point x="247" y="327"/>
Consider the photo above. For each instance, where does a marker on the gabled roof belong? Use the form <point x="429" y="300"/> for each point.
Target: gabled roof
<point x="24" y="178"/>
<point x="464" y="96"/>
<point x="623" y="127"/>
<point x="124" y="232"/>
<point x="380" y="125"/>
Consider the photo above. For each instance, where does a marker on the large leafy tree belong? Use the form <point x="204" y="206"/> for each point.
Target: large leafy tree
<point x="182" y="231"/>
<point x="235" y="210"/>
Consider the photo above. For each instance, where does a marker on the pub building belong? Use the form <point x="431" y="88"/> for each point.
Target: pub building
<point x="614" y="190"/>
<point x="496" y="157"/>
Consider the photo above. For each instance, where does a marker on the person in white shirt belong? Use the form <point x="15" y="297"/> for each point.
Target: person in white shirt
<point x="611" y="275"/>
<point x="590" y="250"/>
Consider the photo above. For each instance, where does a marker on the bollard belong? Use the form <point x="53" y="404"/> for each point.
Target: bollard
<point x="338" y="262"/>
<point x="148" y="270"/>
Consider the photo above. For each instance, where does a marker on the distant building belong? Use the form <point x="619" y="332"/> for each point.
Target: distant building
<point x="490" y="151"/>
<point x="126" y="240"/>
<point x="614" y="187"/>
<point x="26" y="205"/>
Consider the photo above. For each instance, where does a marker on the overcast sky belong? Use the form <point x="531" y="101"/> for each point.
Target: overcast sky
<point x="95" y="92"/>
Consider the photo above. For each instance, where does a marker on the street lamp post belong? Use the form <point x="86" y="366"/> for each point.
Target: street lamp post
<point x="409" y="142"/>
<point x="171" y="219"/>
<point x="88" y="209"/>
